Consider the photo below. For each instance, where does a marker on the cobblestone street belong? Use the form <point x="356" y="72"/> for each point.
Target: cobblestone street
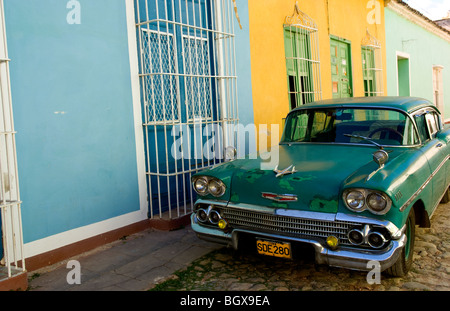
<point x="227" y="270"/>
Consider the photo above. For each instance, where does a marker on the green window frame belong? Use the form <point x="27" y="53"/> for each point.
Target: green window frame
<point x="301" y="46"/>
<point x="298" y="67"/>
<point x="368" y="62"/>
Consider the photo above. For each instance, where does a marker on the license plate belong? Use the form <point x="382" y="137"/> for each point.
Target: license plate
<point x="276" y="249"/>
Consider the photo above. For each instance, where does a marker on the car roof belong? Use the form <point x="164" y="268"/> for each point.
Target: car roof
<point x="406" y="104"/>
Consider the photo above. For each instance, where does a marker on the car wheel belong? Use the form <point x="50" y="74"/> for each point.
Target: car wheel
<point x="446" y="197"/>
<point x="404" y="262"/>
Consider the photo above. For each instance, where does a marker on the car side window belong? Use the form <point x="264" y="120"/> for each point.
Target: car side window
<point x="410" y="137"/>
<point x="422" y="127"/>
<point x="432" y="123"/>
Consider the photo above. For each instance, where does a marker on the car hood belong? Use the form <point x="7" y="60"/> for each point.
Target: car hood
<point x="320" y="173"/>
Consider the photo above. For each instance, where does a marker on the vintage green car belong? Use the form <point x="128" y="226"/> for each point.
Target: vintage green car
<point x="354" y="178"/>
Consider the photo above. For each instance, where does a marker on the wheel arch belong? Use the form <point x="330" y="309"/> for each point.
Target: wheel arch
<point x="422" y="217"/>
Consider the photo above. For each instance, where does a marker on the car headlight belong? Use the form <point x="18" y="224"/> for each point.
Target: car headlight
<point x="358" y="200"/>
<point x="204" y="185"/>
<point x="201" y="185"/>
<point x="355" y="200"/>
<point x="377" y="203"/>
<point x="216" y="187"/>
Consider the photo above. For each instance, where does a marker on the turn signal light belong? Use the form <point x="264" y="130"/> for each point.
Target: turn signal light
<point x="332" y="242"/>
<point x="222" y="224"/>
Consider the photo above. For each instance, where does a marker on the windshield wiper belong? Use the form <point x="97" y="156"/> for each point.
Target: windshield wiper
<point x="365" y="138"/>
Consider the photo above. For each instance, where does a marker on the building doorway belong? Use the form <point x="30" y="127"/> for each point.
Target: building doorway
<point x="403" y="75"/>
<point x="341" y="68"/>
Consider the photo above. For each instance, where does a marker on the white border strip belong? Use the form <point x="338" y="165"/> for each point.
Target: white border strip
<point x="135" y="91"/>
<point x="72" y="236"/>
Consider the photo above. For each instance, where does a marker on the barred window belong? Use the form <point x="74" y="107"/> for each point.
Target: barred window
<point x="187" y="71"/>
<point x="372" y="66"/>
<point x="301" y="45"/>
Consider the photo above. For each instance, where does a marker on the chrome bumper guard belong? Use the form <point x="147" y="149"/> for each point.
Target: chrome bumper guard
<point x="343" y="257"/>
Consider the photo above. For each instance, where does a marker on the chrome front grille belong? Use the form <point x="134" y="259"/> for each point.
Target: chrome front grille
<point x="289" y="226"/>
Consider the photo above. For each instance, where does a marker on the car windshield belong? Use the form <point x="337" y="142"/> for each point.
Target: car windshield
<point x="350" y="125"/>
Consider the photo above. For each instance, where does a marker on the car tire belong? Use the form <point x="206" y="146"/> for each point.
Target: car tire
<point x="404" y="262"/>
<point x="446" y="197"/>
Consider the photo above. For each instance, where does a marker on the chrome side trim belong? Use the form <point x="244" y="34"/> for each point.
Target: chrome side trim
<point x="416" y="194"/>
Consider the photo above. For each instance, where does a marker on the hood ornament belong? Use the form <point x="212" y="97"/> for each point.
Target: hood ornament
<point x="286" y="171"/>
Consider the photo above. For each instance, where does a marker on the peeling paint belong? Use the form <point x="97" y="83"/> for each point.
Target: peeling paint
<point x="302" y="178"/>
<point x="236" y="13"/>
<point x="323" y="205"/>
<point x="234" y="197"/>
<point x="254" y="175"/>
<point x="284" y="183"/>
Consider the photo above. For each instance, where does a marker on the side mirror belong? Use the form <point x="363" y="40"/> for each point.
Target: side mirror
<point x="380" y="157"/>
<point x="230" y="153"/>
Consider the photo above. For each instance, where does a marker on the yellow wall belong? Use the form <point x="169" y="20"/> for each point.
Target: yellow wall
<point x="345" y="19"/>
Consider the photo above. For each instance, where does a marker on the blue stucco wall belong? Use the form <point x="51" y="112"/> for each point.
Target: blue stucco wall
<point x="243" y="64"/>
<point x="73" y="114"/>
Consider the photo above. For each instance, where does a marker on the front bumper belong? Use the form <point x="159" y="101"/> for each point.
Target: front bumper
<point x="344" y="257"/>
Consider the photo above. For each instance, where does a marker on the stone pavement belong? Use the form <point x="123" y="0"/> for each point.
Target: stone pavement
<point x="227" y="270"/>
<point x="152" y="257"/>
<point x="135" y="263"/>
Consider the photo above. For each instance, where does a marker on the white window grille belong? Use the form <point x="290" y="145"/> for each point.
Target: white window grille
<point x="159" y="63"/>
<point x="12" y="240"/>
<point x="189" y="94"/>
<point x="302" y="58"/>
<point x="372" y="66"/>
<point x="197" y="83"/>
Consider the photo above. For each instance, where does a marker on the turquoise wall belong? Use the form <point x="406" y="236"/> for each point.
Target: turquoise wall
<point x="73" y="114"/>
<point x="425" y="49"/>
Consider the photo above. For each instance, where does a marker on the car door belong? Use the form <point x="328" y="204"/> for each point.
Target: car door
<point x="435" y="151"/>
